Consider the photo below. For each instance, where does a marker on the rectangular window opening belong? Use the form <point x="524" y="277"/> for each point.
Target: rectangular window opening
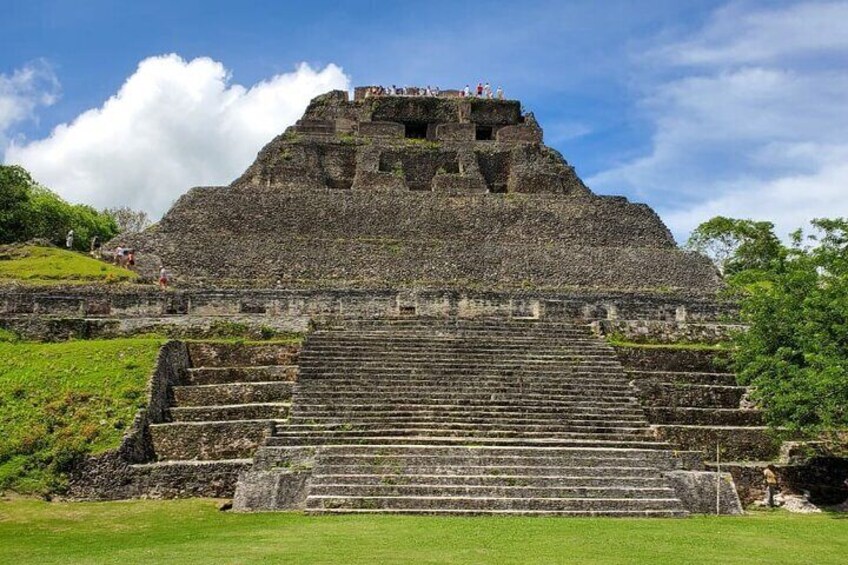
<point x="415" y="130"/>
<point x="484" y="133"/>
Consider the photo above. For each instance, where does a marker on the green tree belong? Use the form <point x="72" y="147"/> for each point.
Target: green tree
<point x="736" y="245"/>
<point x="28" y="210"/>
<point x="15" y="186"/>
<point x="795" y="350"/>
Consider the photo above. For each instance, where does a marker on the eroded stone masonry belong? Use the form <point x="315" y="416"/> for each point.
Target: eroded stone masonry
<point x="455" y="280"/>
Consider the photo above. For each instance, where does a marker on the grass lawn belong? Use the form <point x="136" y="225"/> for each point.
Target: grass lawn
<point x="193" y="531"/>
<point x="49" y="265"/>
<point x="61" y="400"/>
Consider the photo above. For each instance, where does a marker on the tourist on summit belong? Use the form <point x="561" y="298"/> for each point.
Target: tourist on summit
<point x="466" y="92"/>
<point x="771" y="484"/>
<point x="479" y="90"/>
<point x="69" y="240"/>
<point x="500" y="93"/>
<point x="487" y="90"/>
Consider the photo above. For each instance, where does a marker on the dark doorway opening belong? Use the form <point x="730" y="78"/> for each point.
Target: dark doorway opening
<point x="415" y="130"/>
<point x="484" y="133"/>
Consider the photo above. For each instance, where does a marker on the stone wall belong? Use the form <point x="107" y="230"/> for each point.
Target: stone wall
<point x="56" y="314"/>
<point x="109" y="475"/>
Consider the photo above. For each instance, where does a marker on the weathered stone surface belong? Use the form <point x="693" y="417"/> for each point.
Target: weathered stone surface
<point x="735" y="443"/>
<point x="275" y="489"/>
<point x="697" y="491"/>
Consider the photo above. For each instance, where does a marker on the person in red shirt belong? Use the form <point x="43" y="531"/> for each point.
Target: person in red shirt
<point x="479" y="90"/>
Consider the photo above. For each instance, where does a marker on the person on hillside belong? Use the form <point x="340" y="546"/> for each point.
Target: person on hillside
<point x="163" y="278"/>
<point x="499" y="93"/>
<point x="466" y="92"/>
<point x="95" y="246"/>
<point x="479" y="90"/>
<point x="130" y="256"/>
<point x="771" y="484"/>
<point x="119" y="255"/>
<point x="69" y="239"/>
<point x="487" y="90"/>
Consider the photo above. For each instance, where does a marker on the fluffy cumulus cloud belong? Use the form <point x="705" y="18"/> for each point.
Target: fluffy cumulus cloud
<point x="22" y="92"/>
<point x="173" y="124"/>
<point x="749" y="119"/>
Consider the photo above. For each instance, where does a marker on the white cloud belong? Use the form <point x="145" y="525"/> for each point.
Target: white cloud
<point x="174" y="124"/>
<point x="750" y="120"/>
<point x="22" y="92"/>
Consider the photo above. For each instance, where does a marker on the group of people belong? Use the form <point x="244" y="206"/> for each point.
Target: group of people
<point x="483" y="90"/>
<point x="402" y="91"/>
<point x="122" y="256"/>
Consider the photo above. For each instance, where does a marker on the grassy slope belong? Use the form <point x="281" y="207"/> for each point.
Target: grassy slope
<point x="194" y="532"/>
<point x="58" y="400"/>
<point x="49" y="265"/>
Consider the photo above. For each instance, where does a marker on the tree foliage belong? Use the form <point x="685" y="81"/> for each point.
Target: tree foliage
<point x="795" y="350"/>
<point x="29" y="211"/>
<point x="129" y="220"/>
<point x="737" y="245"/>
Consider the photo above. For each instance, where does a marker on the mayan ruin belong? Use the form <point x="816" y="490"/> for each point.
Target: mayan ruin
<point x="455" y="281"/>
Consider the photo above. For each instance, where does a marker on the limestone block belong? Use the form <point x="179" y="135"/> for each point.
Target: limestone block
<point x="697" y="491"/>
<point x="392" y="130"/>
<point x="275" y="489"/>
<point x="519" y="134"/>
<point x="458" y="184"/>
<point x="378" y="181"/>
<point x="455" y="132"/>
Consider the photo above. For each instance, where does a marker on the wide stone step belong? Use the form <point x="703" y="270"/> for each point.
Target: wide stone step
<point x="400" y="387"/>
<point x="309" y="439"/>
<point x="184" y="479"/>
<point x="473" y="398"/>
<point x="498" y="472"/>
<point x="485" y="504"/>
<point x="595" y="428"/>
<point x="512" y="491"/>
<point x="478" y="419"/>
<point x="424" y="346"/>
<point x="255" y="411"/>
<point x="704" y="416"/>
<point x="444" y="431"/>
<point x="461" y="361"/>
<point x="225" y="375"/>
<point x="209" y="440"/>
<point x="212" y="354"/>
<point x="735" y="443"/>
<point x="541" y="513"/>
<point x="695" y="378"/>
<point x="688" y="395"/>
<point x="301" y="410"/>
<point x="622" y="480"/>
<point x="422" y="376"/>
<point x="233" y="393"/>
<point x="307" y="404"/>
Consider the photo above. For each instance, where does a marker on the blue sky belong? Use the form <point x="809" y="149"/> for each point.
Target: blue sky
<point x="697" y="108"/>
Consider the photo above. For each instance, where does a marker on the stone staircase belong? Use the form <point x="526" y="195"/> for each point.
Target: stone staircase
<point x="694" y="404"/>
<point x="224" y="407"/>
<point x="460" y="416"/>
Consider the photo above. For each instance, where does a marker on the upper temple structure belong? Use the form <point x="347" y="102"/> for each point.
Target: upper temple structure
<point x="417" y="192"/>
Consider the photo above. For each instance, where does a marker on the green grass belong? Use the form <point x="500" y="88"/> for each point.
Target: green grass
<point x="35" y="265"/>
<point x="59" y="401"/>
<point x="193" y="531"/>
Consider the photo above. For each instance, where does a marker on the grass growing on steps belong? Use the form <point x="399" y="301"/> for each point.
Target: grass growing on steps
<point x="193" y="531"/>
<point x="35" y="265"/>
<point x="617" y="342"/>
<point x="59" y="401"/>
